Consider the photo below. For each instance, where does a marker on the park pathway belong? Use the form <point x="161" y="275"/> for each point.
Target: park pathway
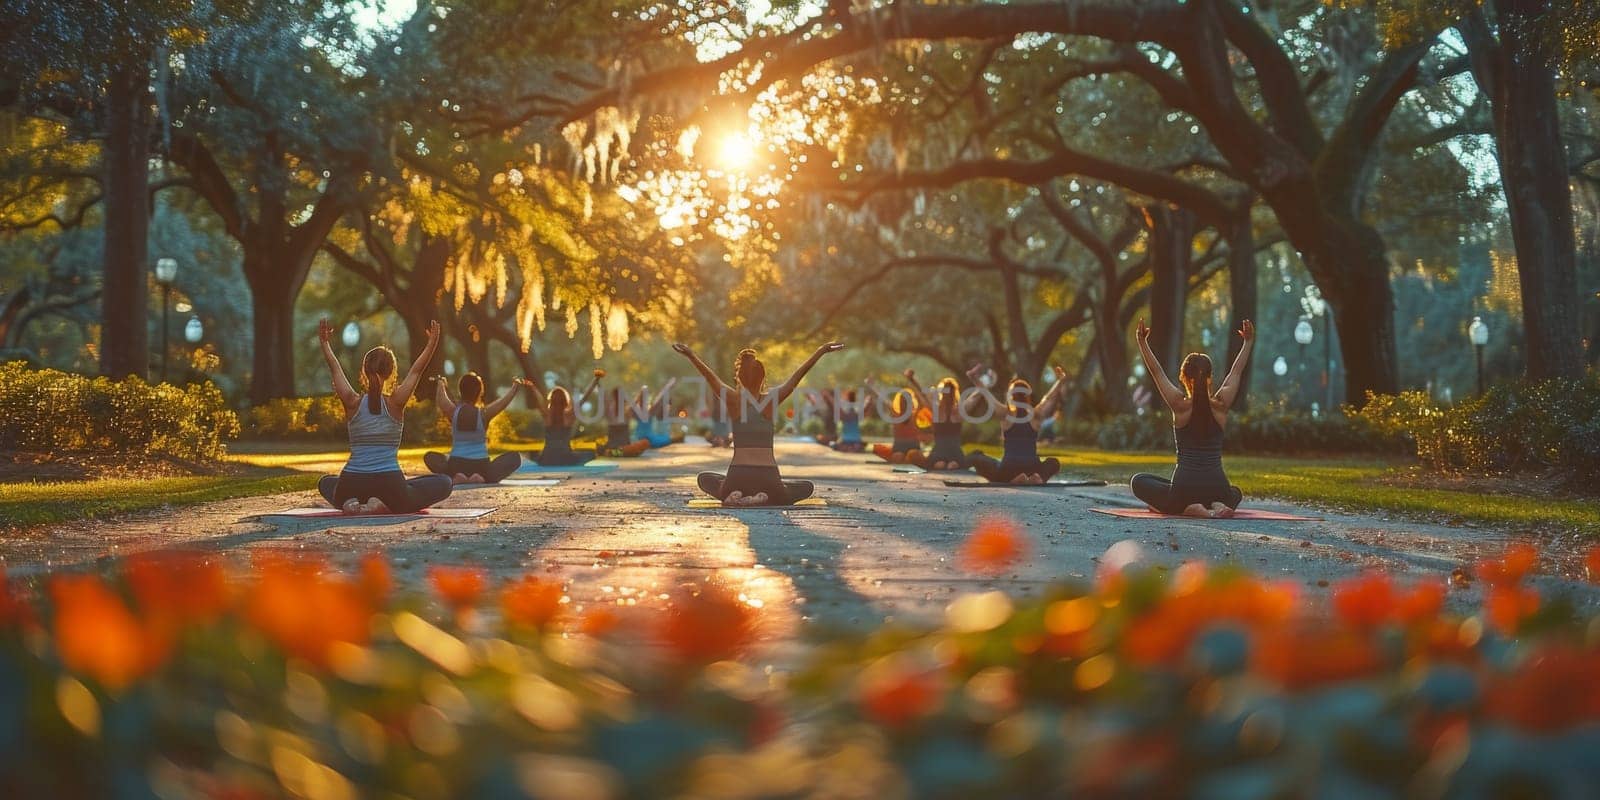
<point x="884" y="545"/>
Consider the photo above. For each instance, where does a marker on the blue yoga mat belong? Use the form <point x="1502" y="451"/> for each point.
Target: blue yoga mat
<point x="597" y="465"/>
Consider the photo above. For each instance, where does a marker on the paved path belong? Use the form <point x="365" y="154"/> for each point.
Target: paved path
<point x="884" y="545"/>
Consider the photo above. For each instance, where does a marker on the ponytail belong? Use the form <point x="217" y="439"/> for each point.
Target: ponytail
<point x="376" y="369"/>
<point x="374" y="397"/>
<point x="1196" y="375"/>
<point x="471" y="388"/>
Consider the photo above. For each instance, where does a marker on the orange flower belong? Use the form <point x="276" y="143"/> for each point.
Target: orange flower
<point x="1162" y="634"/>
<point x="458" y="587"/>
<point x="1518" y="560"/>
<point x="531" y="602"/>
<point x="1591" y="564"/>
<point x="1554" y="689"/>
<point x="184" y="587"/>
<point x="376" y="579"/>
<point x="1507" y="606"/>
<point x="305" y="612"/>
<point x="1302" y="656"/>
<point x="598" y="621"/>
<point x="1422" y="603"/>
<point x="893" y="692"/>
<point x="1364" y="601"/>
<point x="993" y="546"/>
<point x="712" y="624"/>
<point x="97" y="635"/>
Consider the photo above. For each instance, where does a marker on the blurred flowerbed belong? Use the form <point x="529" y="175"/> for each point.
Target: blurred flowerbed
<point x="182" y="674"/>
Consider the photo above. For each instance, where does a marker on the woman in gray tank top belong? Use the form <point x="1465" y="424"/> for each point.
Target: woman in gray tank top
<point x="371" y="482"/>
<point x="1199" y="487"/>
<point x="468" y="460"/>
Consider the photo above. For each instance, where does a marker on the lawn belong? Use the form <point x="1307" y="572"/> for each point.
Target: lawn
<point x="28" y="504"/>
<point x="1354" y="483"/>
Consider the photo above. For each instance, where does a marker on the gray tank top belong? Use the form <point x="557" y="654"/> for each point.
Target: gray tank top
<point x="374" y="440"/>
<point x="472" y="444"/>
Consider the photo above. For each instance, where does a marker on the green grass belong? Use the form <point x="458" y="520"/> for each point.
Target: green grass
<point x="30" y="504"/>
<point x="1357" y="484"/>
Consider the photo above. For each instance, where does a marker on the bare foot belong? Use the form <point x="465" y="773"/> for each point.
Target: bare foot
<point x="352" y="506"/>
<point x="458" y="479"/>
<point x="476" y="478"/>
<point x="1220" y="511"/>
<point x="757" y="499"/>
<point x="1196" y="510"/>
<point x="733" y="499"/>
<point x="1020" y="480"/>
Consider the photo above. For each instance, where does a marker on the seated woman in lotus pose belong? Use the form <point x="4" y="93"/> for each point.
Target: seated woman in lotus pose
<point x="371" y="482"/>
<point x="1019" y="432"/>
<point x="907" y="444"/>
<point x="468" y="461"/>
<point x="645" y="417"/>
<point x="753" y="478"/>
<point x="946" y="407"/>
<point x="614" y="409"/>
<point x="849" y="416"/>
<point x="1199" y="487"/>
<point x="559" y="419"/>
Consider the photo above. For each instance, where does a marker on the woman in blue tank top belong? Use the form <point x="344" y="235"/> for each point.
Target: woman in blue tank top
<point x="1199" y="487"/>
<point x="648" y="417"/>
<point x="371" y="482"/>
<point x="468" y="460"/>
<point x="560" y="417"/>
<point x="848" y="408"/>
<point x="1019" y="433"/>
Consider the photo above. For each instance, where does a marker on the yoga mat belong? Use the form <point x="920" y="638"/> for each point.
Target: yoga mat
<point x="597" y="465"/>
<point x="324" y="512"/>
<point x="513" y="482"/>
<point x="1243" y="513"/>
<point x="710" y="502"/>
<point x="1045" y="485"/>
<point x="910" y="469"/>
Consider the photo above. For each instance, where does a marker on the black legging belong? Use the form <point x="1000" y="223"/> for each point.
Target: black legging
<point x="493" y="471"/>
<point x="748" y="481"/>
<point x="996" y="471"/>
<point x="1161" y="495"/>
<point x="400" y="495"/>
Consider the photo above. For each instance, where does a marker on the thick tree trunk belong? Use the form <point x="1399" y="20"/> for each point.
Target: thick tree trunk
<point x="1110" y="343"/>
<point x="1533" y="171"/>
<point x="1171" y="243"/>
<point x="1242" y="290"/>
<point x="1362" y="305"/>
<point x="124" y="339"/>
<point x="272" y="299"/>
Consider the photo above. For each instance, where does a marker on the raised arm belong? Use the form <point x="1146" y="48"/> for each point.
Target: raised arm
<point x="787" y="387"/>
<point x="500" y="403"/>
<point x="1052" y="399"/>
<point x="1169" y="391"/>
<point x="984" y="396"/>
<point x="717" y="386"/>
<point x="441" y="398"/>
<point x="341" y="385"/>
<point x="593" y="385"/>
<point x="1231" y="384"/>
<point x="402" y="393"/>
<point x="916" y="391"/>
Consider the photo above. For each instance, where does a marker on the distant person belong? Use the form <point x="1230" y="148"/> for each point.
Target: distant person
<point x="560" y="418"/>
<point x="906" y="442"/>
<point x="468" y="460"/>
<point x="614" y="410"/>
<point x="752" y="478"/>
<point x="371" y="481"/>
<point x="849" y="416"/>
<point x="1199" y="487"/>
<point x="1021" y="419"/>
<point x="646" y="416"/>
<point x="945" y="410"/>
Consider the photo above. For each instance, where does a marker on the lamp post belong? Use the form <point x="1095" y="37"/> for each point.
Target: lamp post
<point x="1478" y="332"/>
<point x="1303" y="334"/>
<point x="1315" y="306"/>
<point x="194" y="330"/>
<point x="1280" y="367"/>
<point x="166" y="273"/>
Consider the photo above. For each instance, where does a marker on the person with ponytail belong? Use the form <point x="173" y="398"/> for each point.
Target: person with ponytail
<point x="906" y="446"/>
<point x="468" y="461"/>
<point x="614" y="410"/>
<point x="371" y="482"/>
<point x="752" y="478"/>
<point x="849" y="415"/>
<point x="560" y="416"/>
<point x="945" y="408"/>
<point x="1021" y="418"/>
<point x="1199" y="487"/>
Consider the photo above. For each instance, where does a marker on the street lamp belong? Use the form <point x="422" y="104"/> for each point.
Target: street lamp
<point x="449" y="367"/>
<point x="194" y="330"/>
<point x="1479" y="333"/>
<point x="1303" y="334"/>
<point x="351" y="335"/>
<point x="1205" y="338"/>
<point x="1280" y="367"/>
<point x="166" y="273"/>
<point x="1317" y="306"/>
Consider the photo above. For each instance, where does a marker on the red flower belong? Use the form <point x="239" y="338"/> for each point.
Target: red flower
<point x="708" y="625"/>
<point x="14" y="611"/>
<point x="1364" y="601"/>
<point x="96" y="634"/>
<point x="893" y="692"/>
<point x="458" y="587"/>
<point x="1302" y="656"/>
<point x="305" y="612"/>
<point x="184" y="587"/>
<point x="993" y="546"/>
<point x="1553" y="690"/>
<point x="1518" y="560"/>
<point x="1591" y="564"/>
<point x="376" y="579"/>
<point x="1507" y="606"/>
<point x="1422" y="603"/>
<point x="531" y="602"/>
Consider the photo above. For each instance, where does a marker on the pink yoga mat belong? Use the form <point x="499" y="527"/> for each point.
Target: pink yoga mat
<point x="323" y="512"/>
<point x="1243" y="513"/>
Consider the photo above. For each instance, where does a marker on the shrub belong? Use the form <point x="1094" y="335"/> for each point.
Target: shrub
<point x="1531" y="427"/>
<point x="1261" y="429"/>
<point x="59" y="413"/>
<point x="321" y="419"/>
